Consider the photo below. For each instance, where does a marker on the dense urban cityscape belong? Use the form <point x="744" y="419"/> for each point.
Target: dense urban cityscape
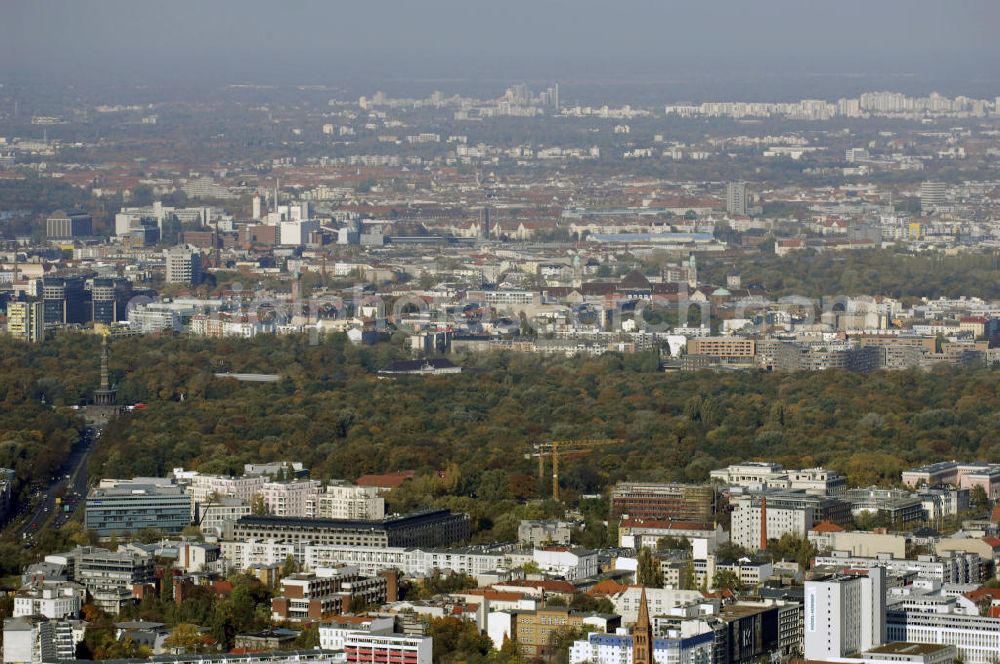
<point x="568" y="366"/>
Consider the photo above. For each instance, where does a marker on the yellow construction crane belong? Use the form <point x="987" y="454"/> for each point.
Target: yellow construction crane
<point x="557" y="447"/>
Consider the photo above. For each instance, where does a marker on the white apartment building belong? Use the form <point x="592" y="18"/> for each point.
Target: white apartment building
<point x="495" y="600"/>
<point x="52" y="599"/>
<point x="746" y="524"/>
<point x="571" y="564"/>
<point x="942" y="503"/>
<point x="753" y="475"/>
<point x="20" y="637"/>
<point x="817" y="481"/>
<point x="637" y="533"/>
<point x="539" y="533"/>
<point x="183" y="266"/>
<point x="244" y="555"/>
<point x="333" y="634"/>
<point x="501" y="298"/>
<point x="659" y="601"/>
<point x="370" y="560"/>
<point x="976" y="638"/>
<point x="959" y="567"/>
<point x="273" y="468"/>
<point x="346" y="501"/>
<point x="227" y="326"/>
<point x="291" y="498"/>
<point x="202" y="487"/>
<point x="26" y="321"/>
<point x="472" y="561"/>
<point x="31" y="640"/>
<point x="750" y="573"/>
<point x="845" y="615"/>
<point x="363" y="647"/>
<point x="214" y="515"/>
<point x="901" y="652"/>
<point x="197" y="556"/>
<point x="413" y="562"/>
<point x="760" y="475"/>
<point x="858" y="543"/>
<point x="617" y="649"/>
<point x="154" y="317"/>
<point x="108" y="576"/>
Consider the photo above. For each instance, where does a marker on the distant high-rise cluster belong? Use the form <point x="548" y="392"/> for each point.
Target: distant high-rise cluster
<point x="65" y="300"/>
<point x="26" y="321"/>
<point x="932" y="195"/>
<point x="520" y="95"/>
<point x="550" y="97"/>
<point x="183" y="266"/>
<point x="68" y="225"/>
<point x="736" y="198"/>
<point x="893" y="104"/>
<point x="484" y="222"/>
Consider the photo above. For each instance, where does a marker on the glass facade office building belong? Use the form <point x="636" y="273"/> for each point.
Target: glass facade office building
<point x="128" y="508"/>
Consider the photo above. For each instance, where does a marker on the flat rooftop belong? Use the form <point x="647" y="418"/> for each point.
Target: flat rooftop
<point x="735" y="611"/>
<point x="906" y="648"/>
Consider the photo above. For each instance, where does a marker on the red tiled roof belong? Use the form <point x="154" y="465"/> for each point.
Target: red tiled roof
<point x="995" y="514"/>
<point x="387" y="480"/>
<point x="549" y="586"/>
<point x="606" y="587"/>
<point x="349" y="620"/>
<point x="495" y="595"/>
<point x="979" y="594"/>
<point x="827" y="527"/>
<point x="665" y="525"/>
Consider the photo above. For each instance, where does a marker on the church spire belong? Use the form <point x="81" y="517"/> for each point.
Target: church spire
<point x="642" y="634"/>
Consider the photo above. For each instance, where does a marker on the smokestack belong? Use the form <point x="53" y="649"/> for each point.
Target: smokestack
<point x="763" y="523"/>
<point x="216" y="241"/>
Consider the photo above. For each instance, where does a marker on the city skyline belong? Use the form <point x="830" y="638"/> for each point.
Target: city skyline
<point x="528" y="332"/>
<point x="316" y="42"/>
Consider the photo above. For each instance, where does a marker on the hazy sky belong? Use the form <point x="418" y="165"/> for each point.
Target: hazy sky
<point x="335" y="40"/>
